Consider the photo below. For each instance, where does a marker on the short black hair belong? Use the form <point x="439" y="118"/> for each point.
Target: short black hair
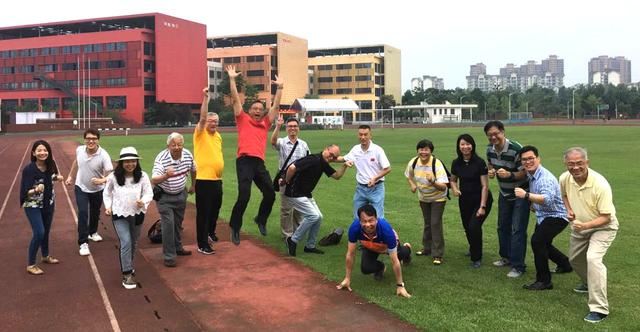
<point x="93" y="131"/>
<point x="469" y="139"/>
<point x="365" y="127"/>
<point x="292" y="119"/>
<point x="368" y="209"/>
<point x="425" y="143"/>
<point x="256" y="101"/>
<point x="528" y="148"/>
<point x="493" y="123"/>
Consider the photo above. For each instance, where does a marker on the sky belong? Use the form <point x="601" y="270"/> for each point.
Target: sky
<point x="437" y="38"/>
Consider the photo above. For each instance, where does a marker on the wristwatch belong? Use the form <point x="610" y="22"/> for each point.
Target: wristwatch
<point x="526" y="196"/>
<point x="400" y="284"/>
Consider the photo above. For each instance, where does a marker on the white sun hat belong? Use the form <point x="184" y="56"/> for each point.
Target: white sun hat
<point x="128" y="153"/>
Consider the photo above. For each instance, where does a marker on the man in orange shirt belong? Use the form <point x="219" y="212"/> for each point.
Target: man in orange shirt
<point x="207" y="148"/>
<point x="253" y="127"/>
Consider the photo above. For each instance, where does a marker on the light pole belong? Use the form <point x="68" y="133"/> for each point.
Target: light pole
<point x="461" y="108"/>
<point x="512" y="93"/>
<point x="573" y="106"/>
<point x="485" y="111"/>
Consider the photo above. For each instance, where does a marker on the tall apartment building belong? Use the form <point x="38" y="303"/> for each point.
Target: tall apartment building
<point x="133" y="61"/>
<point x="606" y="70"/>
<point x="427" y="82"/>
<point x="260" y="57"/>
<point x="360" y="73"/>
<point x="548" y="74"/>
<point x="215" y="78"/>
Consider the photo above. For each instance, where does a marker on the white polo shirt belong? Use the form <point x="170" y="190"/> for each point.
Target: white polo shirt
<point x="368" y="163"/>
<point x="91" y="166"/>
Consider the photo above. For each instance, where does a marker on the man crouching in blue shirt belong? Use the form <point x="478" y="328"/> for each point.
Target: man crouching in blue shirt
<point x="376" y="237"/>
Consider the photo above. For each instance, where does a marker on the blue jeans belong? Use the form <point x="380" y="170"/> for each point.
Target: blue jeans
<point x="88" y="213"/>
<point x="40" y="220"/>
<point x="128" y="233"/>
<point x="513" y="219"/>
<point x="373" y="196"/>
<point x="311" y="219"/>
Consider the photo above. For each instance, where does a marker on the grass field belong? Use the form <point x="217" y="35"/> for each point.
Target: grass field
<point x="453" y="297"/>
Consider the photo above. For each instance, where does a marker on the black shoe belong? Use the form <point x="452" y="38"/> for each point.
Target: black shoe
<point x="183" y="252"/>
<point x="313" y="251"/>
<point x="262" y="227"/>
<point x="213" y="238"/>
<point x="235" y="236"/>
<point x="378" y="276"/>
<point x="206" y="251"/>
<point x="560" y="269"/>
<point x="538" y="285"/>
<point x="291" y="246"/>
<point x="170" y="263"/>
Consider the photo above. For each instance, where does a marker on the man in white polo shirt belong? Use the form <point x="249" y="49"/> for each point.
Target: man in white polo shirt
<point x="371" y="166"/>
<point x="170" y="170"/>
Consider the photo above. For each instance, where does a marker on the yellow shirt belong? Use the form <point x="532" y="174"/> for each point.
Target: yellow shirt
<point x="207" y="150"/>
<point x="591" y="199"/>
<point x="426" y="191"/>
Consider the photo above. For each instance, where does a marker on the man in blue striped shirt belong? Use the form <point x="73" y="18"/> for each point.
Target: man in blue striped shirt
<point x="551" y="218"/>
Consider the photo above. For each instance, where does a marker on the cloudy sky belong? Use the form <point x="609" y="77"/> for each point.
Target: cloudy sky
<point x="440" y="39"/>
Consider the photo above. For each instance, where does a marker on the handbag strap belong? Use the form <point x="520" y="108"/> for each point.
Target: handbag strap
<point x="284" y="165"/>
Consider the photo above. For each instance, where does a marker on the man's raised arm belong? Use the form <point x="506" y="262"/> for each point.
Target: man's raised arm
<point x="235" y="98"/>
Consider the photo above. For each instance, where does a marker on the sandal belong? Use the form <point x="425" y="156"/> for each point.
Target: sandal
<point x="422" y="252"/>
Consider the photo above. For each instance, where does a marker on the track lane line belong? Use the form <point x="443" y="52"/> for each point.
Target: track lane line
<point x="6" y="198"/>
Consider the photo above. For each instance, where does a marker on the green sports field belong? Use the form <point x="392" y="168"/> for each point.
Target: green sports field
<point x="454" y="297"/>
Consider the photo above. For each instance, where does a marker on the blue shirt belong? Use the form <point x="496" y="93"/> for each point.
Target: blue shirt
<point x="384" y="241"/>
<point x="542" y="182"/>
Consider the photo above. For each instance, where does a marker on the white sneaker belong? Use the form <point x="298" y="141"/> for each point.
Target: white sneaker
<point x="95" y="237"/>
<point x="514" y="273"/>
<point x="84" y="249"/>
<point x="501" y="262"/>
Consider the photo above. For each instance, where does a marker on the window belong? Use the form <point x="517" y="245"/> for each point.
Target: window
<point x="8" y="86"/>
<point x="116" y="81"/>
<point x="344" y="66"/>
<point x="235" y="59"/>
<point x="343" y="79"/>
<point x="361" y="78"/>
<point x="92" y="48"/>
<point x="363" y="65"/>
<point x="71" y="83"/>
<point x="149" y="100"/>
<point x="363" y="90"/>
<point x="92" y="65"/>
<point x="149" y="66"/>
<point x="344" y="91"/>
<point x="365" y="104"/>
<point x="219" y="75"/>
<point x="28" y="52"/>
<point x="255" y="58"/>
<point x="254" y="73"/>
<point x="122" y="46"/>
<point x="379" y="92"/>
<point x="116" y="102"/>
<point x="28" y="69"/>
<point x="379" y="80"/>
<point x="50" y="104"/>
<point x="9" y="104"/>
<point x="325" y="79"/>
<point x="30" y="85"/>
<point x="30" y="104"/>
<point x="149" y="84"/>
<point x="69" y="66"/>
<point x="453" y="111"/>
<point x="70" y="49"/>
<point x="325" y="91"/>
<point x="8" y="70"/>
<point x="49" y="51"/>
<point x="149" y="49"/>
<point x="94" y="82"/>
<point x="274" y="61"/>
<point x="120" y="64"/>
<point x="325" y="67"/>
<point x="49" y="68"/>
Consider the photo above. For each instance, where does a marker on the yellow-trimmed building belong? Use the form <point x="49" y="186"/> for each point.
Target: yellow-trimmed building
<point x="360" y="73"/>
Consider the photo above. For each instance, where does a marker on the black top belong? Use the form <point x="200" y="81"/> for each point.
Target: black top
<point x="308" y="172"/>
<point x="31" y="177"/>
<point x="469" y="173"/>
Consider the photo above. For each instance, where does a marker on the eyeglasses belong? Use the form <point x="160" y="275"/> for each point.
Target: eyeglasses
<point x="91" y="139"/>
<point x="526" y="160"/>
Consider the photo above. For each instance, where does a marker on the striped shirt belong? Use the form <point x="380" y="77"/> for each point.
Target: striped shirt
<point x="283" y="146"/>
<point x="181" y="167"/>
<point x="509" y="159"/>
<point x="427" y="192"/>
<point x="544" y="183"/>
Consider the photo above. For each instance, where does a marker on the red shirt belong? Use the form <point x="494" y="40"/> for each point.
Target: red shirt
<point x="252" y="135"/>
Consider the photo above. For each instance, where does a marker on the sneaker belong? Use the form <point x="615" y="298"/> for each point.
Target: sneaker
<point x="437" y="261"/>
<point x="95" y="237"/>
<point x="380" y="274"/>
<point x="206" y="251"/>
<point x="561" y="270"/>
<point x="582" y="288"/>
<point x="538" y="285"/>
<point x="262" y="227"/>
<point x="514" y="273"/>
<point x="235" y="236"/>
<point x="595" y="317"/>
<point x="34" y="269"/>
<point x="170" y="263"/>
<point x="313" y="251"/>
<point x="476" y="264"/>
<point x="129" y="281"/>
<point x="502" y="262"/>
<point x="291" y="246"/>
<point x="183" y="252"/>
<point x="84" y="250"/>
<point x="212" y="238"/>
<point x="50" y="260"/>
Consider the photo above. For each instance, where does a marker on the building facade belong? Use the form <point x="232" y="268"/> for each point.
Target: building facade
<point x="548" y="74"/>
<point x="120" y="64"/>
<point x="427" y="82"/>
<point x="260" y="57"/>
<point x="360" y="73"/>
<point x="606" y="70"/>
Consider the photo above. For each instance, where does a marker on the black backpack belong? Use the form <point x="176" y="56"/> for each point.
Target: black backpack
<point x="333" y="238"/>
<point x="155" y="232"/>
<point x="433" y="169"/>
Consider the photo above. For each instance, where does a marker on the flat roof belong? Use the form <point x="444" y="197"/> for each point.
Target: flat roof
<point x="139" y="21"/>
<point x="347" y="50"/>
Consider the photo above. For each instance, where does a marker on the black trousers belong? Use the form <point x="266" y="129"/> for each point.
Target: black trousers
<point x="543" y="249"/>
<point x="469" y="205"/>
<point x="208" y="203"/>
<point x="251" y="169"/>
<point x="370" y="263"/>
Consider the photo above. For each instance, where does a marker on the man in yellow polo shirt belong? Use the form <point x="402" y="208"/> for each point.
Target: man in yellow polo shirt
<point x="589" y="201"/>
<point x="207" y="147"/>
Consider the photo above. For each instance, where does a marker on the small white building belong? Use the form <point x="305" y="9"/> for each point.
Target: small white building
<point x="441" y="113"/>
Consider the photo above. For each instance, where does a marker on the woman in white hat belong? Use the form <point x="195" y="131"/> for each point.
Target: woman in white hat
<point x="126" y="198"/>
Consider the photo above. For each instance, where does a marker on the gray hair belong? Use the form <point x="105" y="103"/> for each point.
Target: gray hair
<point x="581" y="151"/>
<point x="174" y="136"/>
<point x="212" y="114"/>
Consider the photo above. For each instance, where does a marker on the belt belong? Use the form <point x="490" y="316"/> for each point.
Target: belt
<point x="375" y="184"/>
